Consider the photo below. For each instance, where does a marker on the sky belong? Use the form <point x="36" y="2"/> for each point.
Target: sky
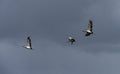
<point x="49" y="23"/>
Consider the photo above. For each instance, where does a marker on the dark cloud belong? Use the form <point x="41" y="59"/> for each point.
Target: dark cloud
<point x="50" y="23"/>
<point x="53" y="58"/>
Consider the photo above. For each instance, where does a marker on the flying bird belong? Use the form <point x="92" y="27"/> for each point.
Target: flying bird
<point x="72" y="40"/>
<point x="89" y="30"/>
<point x="29" y="45"/>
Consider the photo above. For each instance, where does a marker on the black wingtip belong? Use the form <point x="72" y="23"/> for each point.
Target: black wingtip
<point x="90" y="21"/>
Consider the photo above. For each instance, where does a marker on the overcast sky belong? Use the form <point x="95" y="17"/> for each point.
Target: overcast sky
<point x="50" y="23"/>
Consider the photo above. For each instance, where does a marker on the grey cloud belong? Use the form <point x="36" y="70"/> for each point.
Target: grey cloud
<point x="49" y="23"/>
<point x="55" y="58"/>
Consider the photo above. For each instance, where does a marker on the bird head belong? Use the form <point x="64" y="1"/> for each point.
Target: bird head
<point x="70" y="37"/>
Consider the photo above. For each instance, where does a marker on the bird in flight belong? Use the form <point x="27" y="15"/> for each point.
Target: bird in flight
<point x="71" y="40"/>
<point x="89" y="31"/>
<point x="29" y="45"/>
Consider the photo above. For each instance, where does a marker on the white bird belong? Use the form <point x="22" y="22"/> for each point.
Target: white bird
<point x="29" y="45"/>
<point x="70" y="39"/>
<point x="89" y="30"/>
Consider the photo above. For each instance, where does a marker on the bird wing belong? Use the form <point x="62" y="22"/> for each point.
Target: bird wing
<point x="87" y="34"/>
<point x="29" y="42"/>
<point x="90" y="25"/>
<point x="73" y="40"/>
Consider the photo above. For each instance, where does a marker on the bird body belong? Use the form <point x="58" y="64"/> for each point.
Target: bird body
<point x="72" y="40"/>
<point x="89" y="30"/>
<point x="29" y="45"/>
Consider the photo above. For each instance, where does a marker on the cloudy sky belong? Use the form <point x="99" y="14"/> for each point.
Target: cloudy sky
<point x="50" y="23"/>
